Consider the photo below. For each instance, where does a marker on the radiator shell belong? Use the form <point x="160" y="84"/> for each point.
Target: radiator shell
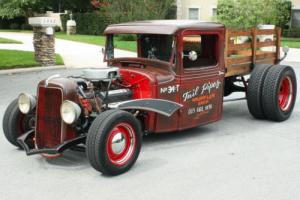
<point x="51" y="131"/>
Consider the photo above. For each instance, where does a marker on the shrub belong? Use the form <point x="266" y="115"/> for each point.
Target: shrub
<point x="26" y="27"/>
<point x="57" y="28"/>
<point x="87" y="23"/>
<point x="14" y="23"/>
<point x="14" y="26"/>
<point x="127" y="37"/>
<point x="293" y="32"/>
<point x="172" y="12"/>
<point x="242" y="14"/>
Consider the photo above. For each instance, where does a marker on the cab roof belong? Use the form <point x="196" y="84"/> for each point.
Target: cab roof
<point x="167" y="27"/>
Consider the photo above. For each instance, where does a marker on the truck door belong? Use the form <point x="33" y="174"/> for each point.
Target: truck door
<point x="202" y="77"/>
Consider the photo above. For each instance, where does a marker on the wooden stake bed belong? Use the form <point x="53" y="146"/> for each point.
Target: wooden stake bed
<point x="246" y="48"/>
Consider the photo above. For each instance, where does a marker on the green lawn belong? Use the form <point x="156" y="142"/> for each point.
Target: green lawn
<point x="10" y="59"/>
<point x="9" y="41"/>
<point x="15" y="31"/>
<point x="98" y="40"/>
<point x="291" y="42"/>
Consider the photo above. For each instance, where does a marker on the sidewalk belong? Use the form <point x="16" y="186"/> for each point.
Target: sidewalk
<point x="74" y="54"/>
<point x="293" y="55"/>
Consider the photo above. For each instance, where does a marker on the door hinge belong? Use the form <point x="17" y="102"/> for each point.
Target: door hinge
<point x="221" y="73"/>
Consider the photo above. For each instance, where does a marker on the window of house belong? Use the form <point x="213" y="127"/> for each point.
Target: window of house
<point x="295" y="17"/>
<point x="206" y="47"/>
<point x="214" y="12"/>
<point x="194" y="13"/>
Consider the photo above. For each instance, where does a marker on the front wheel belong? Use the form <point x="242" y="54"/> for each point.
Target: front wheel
<point x="15" y="123"/>
<point x="114" y="142"/>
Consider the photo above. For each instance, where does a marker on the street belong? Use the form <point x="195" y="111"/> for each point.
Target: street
<point x="237" y="158"/>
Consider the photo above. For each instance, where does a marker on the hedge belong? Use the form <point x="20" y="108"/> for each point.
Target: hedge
<point x="16" y="23"/>
<point x="87" y="23"/>
<point x="293" y="32"/>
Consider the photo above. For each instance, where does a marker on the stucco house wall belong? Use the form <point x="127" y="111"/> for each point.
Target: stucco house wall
<point x="203" y="10"/>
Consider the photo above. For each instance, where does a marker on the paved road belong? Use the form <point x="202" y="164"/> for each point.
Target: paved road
<point x="238" y="158"/>
<point x="74" y="54"/>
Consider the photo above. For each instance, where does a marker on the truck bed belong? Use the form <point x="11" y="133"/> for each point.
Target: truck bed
<point x="242" y="52"/>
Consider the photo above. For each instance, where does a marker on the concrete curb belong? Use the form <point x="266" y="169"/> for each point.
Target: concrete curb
<point x="32" y="69"/>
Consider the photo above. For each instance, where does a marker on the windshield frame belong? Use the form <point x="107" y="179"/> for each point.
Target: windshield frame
<point x="109" y="51"/>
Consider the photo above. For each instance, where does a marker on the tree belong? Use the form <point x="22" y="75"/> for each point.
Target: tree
<point x="132" y="10"/>
<point x="14" y="8"/>
<point x="25" y="8"/>
<point x="246" y="14"/>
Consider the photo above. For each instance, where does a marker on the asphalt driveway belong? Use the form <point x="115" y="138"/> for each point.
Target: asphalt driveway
<point x="238" y="158"/>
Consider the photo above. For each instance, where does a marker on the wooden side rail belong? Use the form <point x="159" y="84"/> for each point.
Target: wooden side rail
<point x="248" y="47"/>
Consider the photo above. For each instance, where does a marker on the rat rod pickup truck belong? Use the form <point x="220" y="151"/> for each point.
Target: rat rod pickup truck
<point x="177" y="80"/>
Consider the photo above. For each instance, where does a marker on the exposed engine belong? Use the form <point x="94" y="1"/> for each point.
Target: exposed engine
<point x="99" y="87"/>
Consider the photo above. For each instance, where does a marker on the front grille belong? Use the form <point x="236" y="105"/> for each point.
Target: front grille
<point x="49" y="122"/>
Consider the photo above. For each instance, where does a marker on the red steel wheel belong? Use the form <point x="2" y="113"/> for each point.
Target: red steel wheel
<point x="114" y="142"/>
<point x="285" y="94"/>
<point x="279" y="93"/>
<point x="121" y="144"/>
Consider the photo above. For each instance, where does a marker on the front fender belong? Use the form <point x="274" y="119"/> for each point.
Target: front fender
<point x="164" y="107"/>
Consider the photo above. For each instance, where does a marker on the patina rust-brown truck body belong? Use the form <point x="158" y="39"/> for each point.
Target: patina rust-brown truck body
<point x="176" y="80"/>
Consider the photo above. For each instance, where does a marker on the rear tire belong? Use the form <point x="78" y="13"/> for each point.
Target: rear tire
<point x="279" y="93"/>
<point x="254" y="92"/>
<point x="114" y="142"/>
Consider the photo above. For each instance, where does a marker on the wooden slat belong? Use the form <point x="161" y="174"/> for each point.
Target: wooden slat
<point x="247" y="52"/>
<point x="271" y="55"/>
<point x="239" y="46"/>
<point x="266" y="31"/>
<point x="235" y="33"/>
<point x="266" y="44"/>
<point x="266" y="61"/>
<point x="238" y="60"/>
<point x="238" y="69"/>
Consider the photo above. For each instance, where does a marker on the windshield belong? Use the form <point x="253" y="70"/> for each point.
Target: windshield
<point x="150" y="46"/>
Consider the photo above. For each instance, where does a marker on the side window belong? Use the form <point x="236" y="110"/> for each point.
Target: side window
<point x="200" y="51"/>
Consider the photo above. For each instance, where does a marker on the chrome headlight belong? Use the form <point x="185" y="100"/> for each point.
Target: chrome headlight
<point x="70" y="112"/>
<point x="26" y="103"/>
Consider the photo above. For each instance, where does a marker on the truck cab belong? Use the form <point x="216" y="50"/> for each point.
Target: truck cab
<point x="184" y="63"/>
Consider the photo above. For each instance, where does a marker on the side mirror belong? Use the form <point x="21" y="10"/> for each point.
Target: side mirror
<point x="285" y="49"/>
<point x="193" y="56"/>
